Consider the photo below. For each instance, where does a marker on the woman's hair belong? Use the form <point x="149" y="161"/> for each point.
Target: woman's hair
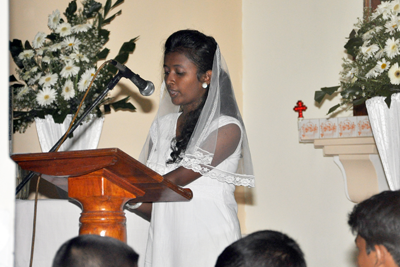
<point x="200" y="49"/>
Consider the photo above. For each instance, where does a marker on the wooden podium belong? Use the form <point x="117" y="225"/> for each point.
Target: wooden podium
<point x="102" y="181"/>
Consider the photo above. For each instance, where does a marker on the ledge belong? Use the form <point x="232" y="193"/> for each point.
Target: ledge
<point x="359" y="162"/>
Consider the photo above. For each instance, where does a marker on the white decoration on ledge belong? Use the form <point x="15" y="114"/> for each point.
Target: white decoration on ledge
<point x="342" y="127"/>
<point x="385" y="125"/>
<point x="85" y="136"/>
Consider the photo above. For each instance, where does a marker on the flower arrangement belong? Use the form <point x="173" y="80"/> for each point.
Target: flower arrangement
<point x="372" y="67"/>
<point x="56" y="69"/>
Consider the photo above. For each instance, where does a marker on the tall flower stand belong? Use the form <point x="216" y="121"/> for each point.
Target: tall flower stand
<point x="385" y="124"/>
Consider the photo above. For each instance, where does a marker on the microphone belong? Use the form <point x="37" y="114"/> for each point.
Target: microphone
<point x="146" y="88"/>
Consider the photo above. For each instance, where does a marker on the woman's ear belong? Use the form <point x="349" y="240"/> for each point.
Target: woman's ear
<point x="207" y="77"/>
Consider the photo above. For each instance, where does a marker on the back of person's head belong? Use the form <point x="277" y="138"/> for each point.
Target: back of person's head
<point x="95" y="251"/>
<point x="262" y="249"/>
<point x="377" y="220"/>
<point x="196" y="46"/>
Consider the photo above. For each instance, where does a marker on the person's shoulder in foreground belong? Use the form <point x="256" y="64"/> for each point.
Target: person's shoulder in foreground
<point x="376" y="223"/>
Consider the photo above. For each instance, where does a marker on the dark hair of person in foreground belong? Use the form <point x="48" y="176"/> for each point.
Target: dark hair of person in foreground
<point x="262" y="249"/>
<point x="376" y="221"/>
<point x="95" y="251"/>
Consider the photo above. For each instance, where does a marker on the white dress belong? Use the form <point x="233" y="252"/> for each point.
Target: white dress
<point x="193" y="233"/>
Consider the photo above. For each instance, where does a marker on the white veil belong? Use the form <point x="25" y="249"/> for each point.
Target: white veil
<point x="220" y="106"/>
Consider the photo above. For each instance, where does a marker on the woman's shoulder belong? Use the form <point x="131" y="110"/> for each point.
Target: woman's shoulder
<point x="224" y="120"/>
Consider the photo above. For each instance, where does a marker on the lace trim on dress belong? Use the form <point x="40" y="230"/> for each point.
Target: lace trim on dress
<point x="200" y="162"/>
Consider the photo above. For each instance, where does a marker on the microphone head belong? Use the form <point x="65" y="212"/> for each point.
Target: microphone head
<point x="148" y="90"/>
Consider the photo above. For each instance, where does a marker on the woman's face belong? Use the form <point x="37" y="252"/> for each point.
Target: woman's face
<point x="181" y="79"/>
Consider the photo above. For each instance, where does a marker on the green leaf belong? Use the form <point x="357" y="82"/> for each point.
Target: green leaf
<point x="117" y="3"/>
<point x="128" y="47"/>
<point x="106" y="21"/>
<point x="103" y="54"/>
<point x="105" y="34"/>
<point x="28" y="45"/>
<point x="71" y="9"/>
<point x="13" y="79"/>
<point x="318" y="96"/>
<point x="122" y="58"/>
<point x="359" y="101"/>
<point x="122" y="104"/>
<point x="330" y="90"/>
<point x="91" y="8"/>
<point x="107" y="7"/>
<point x="107" y="108"/>
<point x="388" y="100"/>
<point x="15" y="49"/>
<point x="332" y="109"/>
<point x="52" y="36"/>
<point x="352" y="45"/>
<point x="59" y="118"/>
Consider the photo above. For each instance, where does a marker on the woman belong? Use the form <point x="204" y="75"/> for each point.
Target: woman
<point x="198" y="141"/>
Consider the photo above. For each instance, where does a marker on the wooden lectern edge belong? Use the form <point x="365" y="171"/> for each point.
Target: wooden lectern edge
<point x="114" y="154"/>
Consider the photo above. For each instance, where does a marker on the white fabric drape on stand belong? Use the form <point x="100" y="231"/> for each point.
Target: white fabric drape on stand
<point x="385" y="124"/>
<point x="86" y="136"/>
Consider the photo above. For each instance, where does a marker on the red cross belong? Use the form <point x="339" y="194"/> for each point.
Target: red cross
<point x="300" y="108"/>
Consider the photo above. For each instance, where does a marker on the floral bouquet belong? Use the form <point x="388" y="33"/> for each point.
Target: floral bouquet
<point x="56" y="69"/>
<point x="372" y="67"/>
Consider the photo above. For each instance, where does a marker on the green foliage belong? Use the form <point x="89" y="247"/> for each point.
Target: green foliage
<point x="75" y="44"/>
<point x="372" y="61"/>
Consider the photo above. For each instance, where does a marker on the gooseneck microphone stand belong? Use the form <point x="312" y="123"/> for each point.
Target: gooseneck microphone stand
<point x="97" y="101"/>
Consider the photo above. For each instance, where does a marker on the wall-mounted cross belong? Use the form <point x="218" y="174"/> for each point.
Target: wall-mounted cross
<point x="300" y="108"/>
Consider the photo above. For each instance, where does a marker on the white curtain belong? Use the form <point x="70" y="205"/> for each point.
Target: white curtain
<point x="385" y="124"/>
<point x="86" y="136"/>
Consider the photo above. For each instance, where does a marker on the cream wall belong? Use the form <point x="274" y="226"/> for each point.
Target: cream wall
<point x="291" y="49"/>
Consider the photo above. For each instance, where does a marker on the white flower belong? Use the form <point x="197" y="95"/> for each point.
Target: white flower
<point x="26" y="54"/>
<point x="48" y="80"/>
<point x="395" y="6"/>
<point x="40" y="50"/>
<point x="68" y="91"/>
<point x="382" y="65"/>
<point x="46" y="59"/>
<point x="34" y="78"/>
<point x="392" y="47"/>
<point x="368" y="35"/>
<point x="392" y="25"/>
<point x="380" y="54"/>
<point x="64" y="29"/>
<point x="79" y="57"/>
<point x="66" y="58"/>
<point x="55" y="47"/>
<point x="54" y="19"/>
<point x="85" y="80"/>
<point x="81" y="28"/>
<point x="394" y="74"/>
<point x="371" y="74"/>
<point x="369" y="51"/>
<point x="384" y="8"/>
<point x="23" y="91"/>
<point x="69" y="70"/>
<point x="39" y="39"/>
<point x="71" y="42"/>
<point x="46" y="96"/>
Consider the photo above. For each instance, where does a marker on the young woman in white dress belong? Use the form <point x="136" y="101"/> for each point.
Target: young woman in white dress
<point x="198" y="141"/>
